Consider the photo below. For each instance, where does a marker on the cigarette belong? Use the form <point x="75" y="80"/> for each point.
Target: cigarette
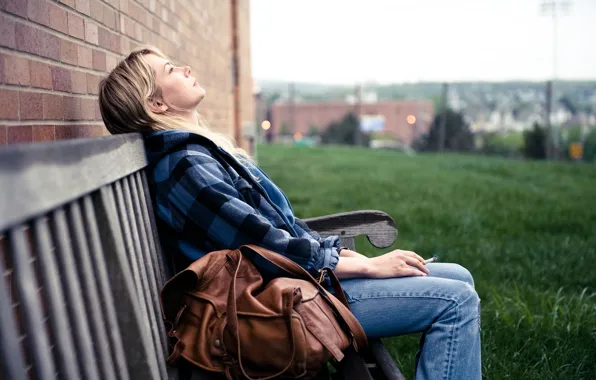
<point x="431" y="260"/>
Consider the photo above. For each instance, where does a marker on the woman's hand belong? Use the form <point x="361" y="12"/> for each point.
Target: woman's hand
<point x="396" y="263"/>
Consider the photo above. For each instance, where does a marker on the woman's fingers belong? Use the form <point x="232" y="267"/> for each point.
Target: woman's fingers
<point x="414" y="255"/>
<point x="417" y="264"/>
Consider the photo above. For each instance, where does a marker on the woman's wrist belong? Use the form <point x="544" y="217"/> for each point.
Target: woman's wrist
<point x="352" y="267"/>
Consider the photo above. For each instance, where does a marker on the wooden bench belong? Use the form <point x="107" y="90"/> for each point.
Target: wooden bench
<point x="82" y="266"/>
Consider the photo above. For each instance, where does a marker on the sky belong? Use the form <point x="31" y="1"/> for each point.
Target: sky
<point x="396" y="41"/>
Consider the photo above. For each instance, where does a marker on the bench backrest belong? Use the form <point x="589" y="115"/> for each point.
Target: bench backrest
<point x="81" y="262"/>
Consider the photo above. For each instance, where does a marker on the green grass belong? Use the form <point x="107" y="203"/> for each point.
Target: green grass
<point x="526" y="231"/>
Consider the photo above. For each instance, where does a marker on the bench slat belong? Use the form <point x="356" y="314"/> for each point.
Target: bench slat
<point x="13" y="365"/>
<point x="105" y="288"/>
<point x="148" y="261"/>
<point x="134" y="327"/>
<point x="164" y="271"/>
<point x="36" y="340"/>
<point x="74" y="299"/>
<point x="139" y="268"/>
<point x="89" y="288"/>
<point x="55" y="299"/>
<point x="38" y="178"/>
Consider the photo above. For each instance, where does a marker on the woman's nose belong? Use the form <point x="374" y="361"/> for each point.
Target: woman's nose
<point x="187" y="71"/>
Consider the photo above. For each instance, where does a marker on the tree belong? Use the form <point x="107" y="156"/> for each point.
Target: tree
<point x="344" y="132"/>
<point x="535" y="142"/>
<point x="458" y="136"/>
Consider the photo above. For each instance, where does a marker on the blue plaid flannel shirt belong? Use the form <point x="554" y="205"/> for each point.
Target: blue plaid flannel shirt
<point x="206" y="200"/>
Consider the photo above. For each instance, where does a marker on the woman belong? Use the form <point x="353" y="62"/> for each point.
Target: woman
<point x="208" y="195"/>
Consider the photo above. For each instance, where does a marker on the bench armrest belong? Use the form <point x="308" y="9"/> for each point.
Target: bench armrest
<point x="378" y="226"/>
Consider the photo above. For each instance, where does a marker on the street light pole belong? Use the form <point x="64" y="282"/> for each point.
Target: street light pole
<point x="553" y="7"/>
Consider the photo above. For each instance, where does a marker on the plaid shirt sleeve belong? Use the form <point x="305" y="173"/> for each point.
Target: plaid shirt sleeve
<point x="203" y="193"/>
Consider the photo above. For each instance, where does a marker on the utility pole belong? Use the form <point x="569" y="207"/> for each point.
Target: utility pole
<point x="293" y="108"/>
<point x="550" y="143"/>
<point x="357" y="111"/>
<point x="553" y="8"/>
<point x="443" y="117"/>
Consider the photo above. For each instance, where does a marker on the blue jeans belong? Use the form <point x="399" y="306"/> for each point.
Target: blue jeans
<point x="443" y="306"/>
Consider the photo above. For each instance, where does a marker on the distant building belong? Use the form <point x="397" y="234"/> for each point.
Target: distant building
<point x="403" y="120"/>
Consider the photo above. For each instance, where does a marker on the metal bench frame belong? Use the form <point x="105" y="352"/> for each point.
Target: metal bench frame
<point x="82" y="265"/>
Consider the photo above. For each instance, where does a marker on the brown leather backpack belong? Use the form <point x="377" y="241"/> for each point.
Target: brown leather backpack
<point x="224" y="320"/>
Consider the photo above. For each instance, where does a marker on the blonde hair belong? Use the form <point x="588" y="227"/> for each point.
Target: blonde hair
<point x="123" y="98"/>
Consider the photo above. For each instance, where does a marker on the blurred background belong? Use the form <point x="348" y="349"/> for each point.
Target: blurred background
<point x="470" y="122"/>
<point x="510" y="78"/>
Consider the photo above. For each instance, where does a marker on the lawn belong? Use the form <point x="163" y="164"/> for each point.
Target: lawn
<point x="526" y="231"/>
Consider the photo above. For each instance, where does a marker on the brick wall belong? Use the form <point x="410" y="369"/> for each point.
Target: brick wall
<point x="53" y="54"/>
<point x="320" y="115"/>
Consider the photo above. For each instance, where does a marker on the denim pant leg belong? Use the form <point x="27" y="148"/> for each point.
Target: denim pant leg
<point x="445" y="310"/>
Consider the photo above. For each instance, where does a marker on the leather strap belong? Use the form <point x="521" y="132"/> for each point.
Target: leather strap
<point x="288" y="305"/>
<point x="360" y="341"/>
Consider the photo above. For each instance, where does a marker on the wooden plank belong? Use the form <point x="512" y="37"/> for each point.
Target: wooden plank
<point x="376" y="225"/>
<point x="90" y="291"/>
<point x="164" y="266"/>
<point x="105" y="288"/>
<point x="149" y="252"/>
<point x="385" y="361"/>
<point x="37" y="341"/>
<point x="37" y="178"/>
<point x="74" y="299"/>
<point x="13" y="363"/>
<point x="131" y="237"/>
<point x="147" y="271"/>
<point x="140" y="355"/>
<point x="68" y="366"/>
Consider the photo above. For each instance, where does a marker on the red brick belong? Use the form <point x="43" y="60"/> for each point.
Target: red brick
<point x="30" y="106"/>
<point x="16" y="7"/>
<point x="97" y="111"/>
<point x="85" y="57"/>
<point x="53" y="107"/>
<point x="16" y="70"/>
<point x="68" y="52"/>
<point x="9" y="105"/>
<point x="115" y="45"/>
<point x="103" y="38"/>
<point x="73" y="131"/>
<point x="91" y="32"/>
<point x="7" y="31"/>
<point x="1" y="69"/>
<point x="61" y="79"/>
<point x="109" y="18"/>
<point x="19" y="134"/>
<point x="70" y="3"/>
<point x="72" y="108"/>
<point x="38" y="11"/>
<point x="96" y="10"/>
<point x="2" y="142"/>
<point x="99" y="60"/>
<point x="124" y="45"/>
<point x="88" y="108"/>
<point x="58" y="19"/>
<point x="82" y="6"/>
<point x="40" y="74"/>
<point x="43" y="133"/>
<point x="93" y="84"/>
<point x="79" y="82"/>
<point x="76" y="27"/>
<point x="37" y="42"/>
<point x="123" y="6"/>
<point x="111" y="62"/>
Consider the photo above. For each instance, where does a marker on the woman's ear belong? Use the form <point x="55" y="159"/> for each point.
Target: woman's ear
<point x="157" y="105"/>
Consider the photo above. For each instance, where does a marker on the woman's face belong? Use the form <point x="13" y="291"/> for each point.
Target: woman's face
<point x="180" y="90"/>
